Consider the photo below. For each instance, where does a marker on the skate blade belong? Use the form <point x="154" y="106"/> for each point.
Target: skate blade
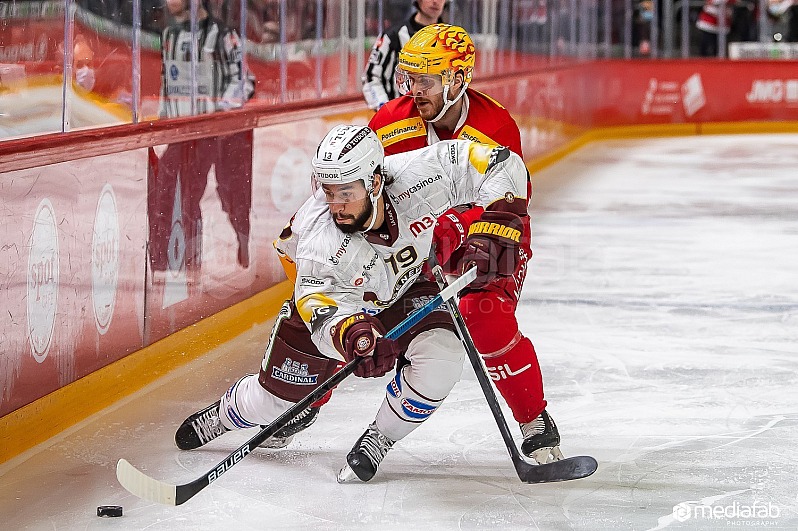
<point x="347" y="475"/>
<point x="547" y="454"/>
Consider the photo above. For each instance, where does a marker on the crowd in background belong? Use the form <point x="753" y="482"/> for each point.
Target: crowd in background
<point x="31" y="41"/>
<point x="740" y="19"/>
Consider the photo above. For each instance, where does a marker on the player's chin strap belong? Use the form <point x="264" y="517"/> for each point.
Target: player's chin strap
<point x="374" y="198"/>
<point x="447" y="103"/>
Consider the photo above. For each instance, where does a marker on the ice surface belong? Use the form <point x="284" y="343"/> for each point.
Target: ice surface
<point x="663" y="303"/>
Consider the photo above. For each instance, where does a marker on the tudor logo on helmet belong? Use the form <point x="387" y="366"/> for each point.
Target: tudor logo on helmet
<point x="347" y="175"/>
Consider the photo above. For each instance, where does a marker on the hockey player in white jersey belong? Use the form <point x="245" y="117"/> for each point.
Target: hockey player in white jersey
<point x="358" y="248"/>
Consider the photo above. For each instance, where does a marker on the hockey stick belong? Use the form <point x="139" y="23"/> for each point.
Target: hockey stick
<point x="565" y="469"/>
<point x="147" y="488"/>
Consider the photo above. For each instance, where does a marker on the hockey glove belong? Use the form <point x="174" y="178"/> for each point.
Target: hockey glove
<point x="451" y="228"/>
<point x="361" y="335"/>
<point x="492" y="246"/>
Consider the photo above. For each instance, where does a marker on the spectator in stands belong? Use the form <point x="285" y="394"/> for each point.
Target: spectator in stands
<point x="643" y="17"/>
<point x="711" y="21"/>
<point x="785" y="11"/>
<point x="378" y="80"/>
<point x="83" y="64"/>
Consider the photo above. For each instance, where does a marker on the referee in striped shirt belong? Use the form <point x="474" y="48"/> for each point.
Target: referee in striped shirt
<point x="218" y="81"/>
<point x="378" y="82"/>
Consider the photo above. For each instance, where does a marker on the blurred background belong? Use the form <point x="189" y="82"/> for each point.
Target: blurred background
<point x="71" y="64"/>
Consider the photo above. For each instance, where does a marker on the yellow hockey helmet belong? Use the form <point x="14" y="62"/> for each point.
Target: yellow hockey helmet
<point x="439" y="49"/>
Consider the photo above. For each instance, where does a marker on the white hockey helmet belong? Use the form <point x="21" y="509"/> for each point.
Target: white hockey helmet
<point x="347" y="153"/>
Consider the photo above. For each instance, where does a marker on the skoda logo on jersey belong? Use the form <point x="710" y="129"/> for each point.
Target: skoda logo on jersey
<point x="174" y="73"/>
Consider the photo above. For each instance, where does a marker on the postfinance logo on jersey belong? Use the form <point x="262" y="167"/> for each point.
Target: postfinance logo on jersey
<point x="496" y="229"/>
<point x="401" y="130"/>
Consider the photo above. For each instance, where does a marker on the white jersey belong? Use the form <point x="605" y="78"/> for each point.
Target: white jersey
<point x="339" y="274"/>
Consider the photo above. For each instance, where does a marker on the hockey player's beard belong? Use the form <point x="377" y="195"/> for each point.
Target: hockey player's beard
<point x="427" y="108"/>
<point x="359" y="222"/>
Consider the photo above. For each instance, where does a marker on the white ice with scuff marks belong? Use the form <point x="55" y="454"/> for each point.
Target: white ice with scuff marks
<point x="663" y="302"/>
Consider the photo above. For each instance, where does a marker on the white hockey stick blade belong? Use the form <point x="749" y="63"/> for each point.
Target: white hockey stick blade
<point x="143" y="486"/>
<point x="458" y="285"/>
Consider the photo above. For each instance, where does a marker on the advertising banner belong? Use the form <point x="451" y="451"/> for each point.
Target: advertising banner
<point x="72" y="272"/>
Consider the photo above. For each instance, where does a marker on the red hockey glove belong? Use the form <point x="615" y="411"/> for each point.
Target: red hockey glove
<point x="492" y="246"/>
<point x="451" y="228"/>
<point x="361" y="335"/>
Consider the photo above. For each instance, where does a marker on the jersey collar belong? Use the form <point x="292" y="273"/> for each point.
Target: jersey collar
<point x="432" y="136"/>
<point x="388" y="233"/>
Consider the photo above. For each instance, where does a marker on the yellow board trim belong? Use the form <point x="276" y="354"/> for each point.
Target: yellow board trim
<point x="48" y="416"/>
<point x="656" y="130"/>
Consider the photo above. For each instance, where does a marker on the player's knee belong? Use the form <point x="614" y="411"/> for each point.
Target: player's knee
<point x="490" y="319"/>
<point x="436" y="363"/>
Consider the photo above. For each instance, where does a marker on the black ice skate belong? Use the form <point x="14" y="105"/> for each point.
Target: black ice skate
<point x="367" y="454"/>
<point x="284" y="435"/>
<point x="200" y="428"/>
<point x="541" y="439"/>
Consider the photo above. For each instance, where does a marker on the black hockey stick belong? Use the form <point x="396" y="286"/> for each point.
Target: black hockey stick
<point x="147" y="488"/>
<point x="565" y="469"/>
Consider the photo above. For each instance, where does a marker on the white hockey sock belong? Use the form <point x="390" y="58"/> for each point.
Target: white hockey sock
<point x="403" y="409"/>
<point x="436" y="362"/>
<point x="247" y="404"/>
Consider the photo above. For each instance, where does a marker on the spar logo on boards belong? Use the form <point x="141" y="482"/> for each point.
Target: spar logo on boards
<point x="43" y="269"/>
<point x="773" y="91"/>
<point x="105" y="259"/>
<point x="287" y="192"/>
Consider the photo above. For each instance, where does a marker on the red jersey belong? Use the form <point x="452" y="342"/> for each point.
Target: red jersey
<point x="400" y="128"/>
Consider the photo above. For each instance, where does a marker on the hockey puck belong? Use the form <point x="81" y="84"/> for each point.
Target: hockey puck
<point x="109" y="510"/>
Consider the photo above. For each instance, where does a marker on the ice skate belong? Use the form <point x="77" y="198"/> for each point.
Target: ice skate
<point x="285" y="435"/>
<point x="541" y="439"/>
<point x="367" y="454"/>
<point x="200" y="428"/>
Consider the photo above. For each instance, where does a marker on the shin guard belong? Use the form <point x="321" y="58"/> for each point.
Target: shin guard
<point x="403" y="408"/>
<point x="509" y="356"/>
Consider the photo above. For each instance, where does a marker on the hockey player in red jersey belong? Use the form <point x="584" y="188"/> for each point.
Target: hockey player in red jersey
<point x="434" y="71"/>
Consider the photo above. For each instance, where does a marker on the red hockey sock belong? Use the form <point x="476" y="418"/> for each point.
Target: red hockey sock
<point x="326" y="398"/>
<point x="516" y="374"/>
<point x="510" y="357"/>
